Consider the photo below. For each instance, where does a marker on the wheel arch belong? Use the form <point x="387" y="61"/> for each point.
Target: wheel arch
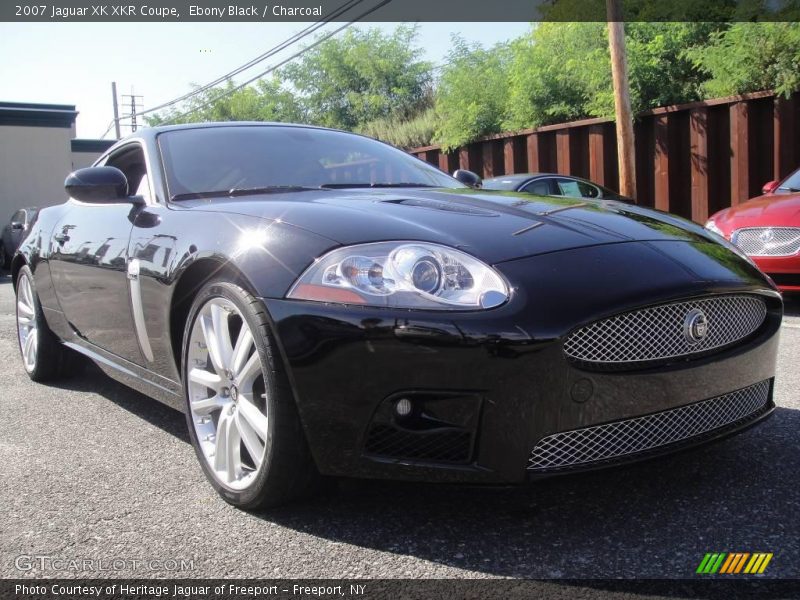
<point x="187" y="285"/>
<point x="16" y="265"/>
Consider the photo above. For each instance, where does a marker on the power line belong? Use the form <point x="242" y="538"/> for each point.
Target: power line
<point x="280" y="64"/>
<point x="262" y="57"/>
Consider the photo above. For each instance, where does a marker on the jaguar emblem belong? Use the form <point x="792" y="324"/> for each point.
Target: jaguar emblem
<point x="695" y="326"/>
<point x="766" y="236"/>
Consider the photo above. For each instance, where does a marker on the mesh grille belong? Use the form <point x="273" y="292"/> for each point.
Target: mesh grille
<point x="768" y="241"/>
<point x="446" y="445"/>
<point x="659" y="332"/>
<point x="622" y="438"/>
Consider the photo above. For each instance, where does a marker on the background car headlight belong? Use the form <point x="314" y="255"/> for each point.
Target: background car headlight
<point x="718" y="236"/>
<point x="711" y="226"/>
<point x="402" y="275"/>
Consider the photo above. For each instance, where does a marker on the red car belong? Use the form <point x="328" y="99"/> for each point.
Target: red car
<point x="767" y="229"/>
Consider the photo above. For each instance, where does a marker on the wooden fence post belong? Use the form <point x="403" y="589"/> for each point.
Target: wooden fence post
<point x="698" y="150"/>
<point x="532" y="143"/>
<point x="784" y="136"/>
<point x="562" y="152"/>
<point x="740" y="159"/>
<point x="661" y="161"/>
<point x="597" y="159"/>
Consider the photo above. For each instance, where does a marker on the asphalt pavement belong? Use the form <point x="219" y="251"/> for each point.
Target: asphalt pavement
<point x="93" y="470"/>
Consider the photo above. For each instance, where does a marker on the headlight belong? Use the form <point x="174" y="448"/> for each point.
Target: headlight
<point x="712" y="227"/>
<point x="718" y="236"/>
<point x="402" y="275"/>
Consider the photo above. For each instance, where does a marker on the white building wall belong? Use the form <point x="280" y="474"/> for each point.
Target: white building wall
<point x="83" y="159"/>
<point x="33" y="164"/>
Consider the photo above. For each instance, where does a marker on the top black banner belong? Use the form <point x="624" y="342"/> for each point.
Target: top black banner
<point x="398" y="10"/>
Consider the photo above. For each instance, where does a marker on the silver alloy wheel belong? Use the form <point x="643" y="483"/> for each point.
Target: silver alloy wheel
<point x="227" y="394"/>
<point x="27" y="330"/>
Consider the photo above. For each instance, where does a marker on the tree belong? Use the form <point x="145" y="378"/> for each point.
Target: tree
<point x="472" y="93"/>
<point x="362" y="76"/>
<point x="266" y="101"/>
<point x="562" y="71"/>
<point x="751" y="56"/>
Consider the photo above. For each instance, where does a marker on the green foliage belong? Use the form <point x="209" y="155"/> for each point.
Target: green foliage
<point x="362" y="76"/>
<point x="405" y="133"/>
<point x="559" y="72"/>
<point x="562" y="71"/>
<point x="751" y="56"/>
<point x="377" y="84"/>
<point x="266" y="101"/>
<point x="471" y="94"/>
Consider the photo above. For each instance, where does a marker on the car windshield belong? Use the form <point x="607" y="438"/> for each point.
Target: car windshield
<point x="792" y="183"/>
<point x="242" y="159"/>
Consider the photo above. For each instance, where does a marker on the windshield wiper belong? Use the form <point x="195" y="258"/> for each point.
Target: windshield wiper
<point x="789" y="189"/>
<point x="333" y="186"/>
<point x="233" y="192"/>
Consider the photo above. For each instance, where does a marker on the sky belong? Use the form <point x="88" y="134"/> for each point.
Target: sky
<point x="75" y="63"/>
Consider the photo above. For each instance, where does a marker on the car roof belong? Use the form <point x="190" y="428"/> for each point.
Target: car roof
<point x="154" y="131"/>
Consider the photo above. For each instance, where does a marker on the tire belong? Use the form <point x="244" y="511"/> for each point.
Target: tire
<point x="43" y="355"/>
<point x="227" y="373"/>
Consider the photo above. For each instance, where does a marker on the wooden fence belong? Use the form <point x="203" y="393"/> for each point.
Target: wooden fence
<point x="691" y="159"/>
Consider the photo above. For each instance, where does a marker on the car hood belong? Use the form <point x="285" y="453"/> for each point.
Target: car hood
<point x="768" y="210"/>
<point x="494" y="226"/>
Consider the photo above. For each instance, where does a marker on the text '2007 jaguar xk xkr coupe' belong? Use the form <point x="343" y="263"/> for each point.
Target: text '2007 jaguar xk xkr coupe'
<point x="321" y="304"/>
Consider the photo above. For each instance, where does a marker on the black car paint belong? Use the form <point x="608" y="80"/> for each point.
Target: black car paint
<point x="15" y="231"/>
<point x="568" y="262"/>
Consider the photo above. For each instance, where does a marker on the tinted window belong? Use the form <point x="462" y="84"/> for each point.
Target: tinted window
<point x="19" y="217"/>
<point x="577" y="189"/>
<point x="540" y="187"/>
<point x="792" y="183"/>
<point x="506" y="185"/>
<point x="223" y="158"/>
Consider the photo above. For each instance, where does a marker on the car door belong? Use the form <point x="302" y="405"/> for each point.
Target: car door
<point x="89" y="259"/>
<point x="16" y="230"/>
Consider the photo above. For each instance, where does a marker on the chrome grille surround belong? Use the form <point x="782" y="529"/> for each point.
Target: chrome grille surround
<point x="624" y="438"/>
<point x="658" y="332"/>
<point x="768" y="241"/>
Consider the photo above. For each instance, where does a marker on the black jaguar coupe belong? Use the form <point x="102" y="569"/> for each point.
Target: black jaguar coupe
<point x="321" y="304"/>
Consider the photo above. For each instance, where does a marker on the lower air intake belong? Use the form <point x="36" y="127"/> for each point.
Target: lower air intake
<point x="620" y="439"/>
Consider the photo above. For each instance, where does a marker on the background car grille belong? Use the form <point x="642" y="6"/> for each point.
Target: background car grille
<point x="768" y="241"/>
<point x="623" y="438"/>
<point x="657" y="333"/>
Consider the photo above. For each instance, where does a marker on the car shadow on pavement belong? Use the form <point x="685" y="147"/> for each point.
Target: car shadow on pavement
<point x="655" y="519"/>
<point x="92" y="379"/>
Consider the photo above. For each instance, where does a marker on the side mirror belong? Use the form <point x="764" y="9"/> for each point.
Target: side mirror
<point x="98" y="185"/>
<point x="468" y="178"/>
<point x="770" y="187"/>
<point x="17" y="226"/>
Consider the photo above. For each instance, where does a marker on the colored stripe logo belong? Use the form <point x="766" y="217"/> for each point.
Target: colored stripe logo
<point x="731" y="563"/>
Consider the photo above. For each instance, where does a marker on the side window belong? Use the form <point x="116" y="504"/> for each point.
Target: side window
<point x="19" y="217"/>
<point x="540" y="187"/>
<point x="573" y="188"/>
<point x="130" y="160"/>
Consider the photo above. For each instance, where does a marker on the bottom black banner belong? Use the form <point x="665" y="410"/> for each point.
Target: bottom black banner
<point x="201" y="589"/>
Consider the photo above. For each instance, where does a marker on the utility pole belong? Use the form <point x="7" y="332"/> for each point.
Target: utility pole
<point x="622" y="99"/>
<point x="116" y="108"/>
<point x="135" y="101"/>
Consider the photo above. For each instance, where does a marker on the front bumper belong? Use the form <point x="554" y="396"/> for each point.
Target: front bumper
<point x="501" y="376"/>
<point x="784" y="270"/>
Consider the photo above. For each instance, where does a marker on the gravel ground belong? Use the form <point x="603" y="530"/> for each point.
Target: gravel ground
<point x="94" y="470"/>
